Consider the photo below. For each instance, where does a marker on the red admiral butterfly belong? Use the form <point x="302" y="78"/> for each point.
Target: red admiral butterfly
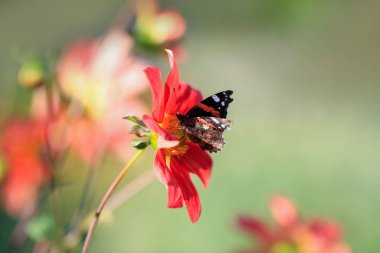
<point x="206" y="121"/>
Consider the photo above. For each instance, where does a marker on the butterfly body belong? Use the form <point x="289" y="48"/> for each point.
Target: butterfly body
<point x="205" y="123"/>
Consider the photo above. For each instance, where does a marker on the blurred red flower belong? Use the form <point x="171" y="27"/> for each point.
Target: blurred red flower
<point x="292" y="234"/>
<point x="92" y="138"/>
<point x="157" y="28"/>
<point x="176" y="155"/>
<point x="106" y="80"/>
<point x="24" y="149"/>
<point x="98" y="73"/>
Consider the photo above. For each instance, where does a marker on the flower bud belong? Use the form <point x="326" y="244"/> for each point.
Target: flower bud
<point x="32" y="73"/>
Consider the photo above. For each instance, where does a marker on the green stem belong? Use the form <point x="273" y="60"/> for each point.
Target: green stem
<point x="108" y="194"/>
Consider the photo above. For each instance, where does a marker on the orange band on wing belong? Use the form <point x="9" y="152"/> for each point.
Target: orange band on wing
<point x="209" y="109"/>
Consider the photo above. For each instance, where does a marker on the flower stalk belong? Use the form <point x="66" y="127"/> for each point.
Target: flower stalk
<point x="106" y="197"/>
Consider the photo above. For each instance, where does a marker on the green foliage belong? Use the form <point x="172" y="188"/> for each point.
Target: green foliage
<point x="40" y="228"/>
<point x="135" y="119"/>
<point x="140" y="144"/>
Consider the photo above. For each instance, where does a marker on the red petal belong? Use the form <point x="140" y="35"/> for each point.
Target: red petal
<point x="18" y="193"/>
<point x="161" y="169"/>
<point x="187" y="98"/>
<point x="154" y="76"/>
<point x="163" y="174"/>
<point x="284" y="211"/>
<point x="328" y="230"/>
<point x="171" y="86"/>
<point x="175" y="199"/>
<point x="165" y="138"/>
<point x="196" y="161"/>
<point x="340" y="248"/>
<point x="189" y="192"/>
<point x="256" y="228"/>
<point x="87" y="138"/>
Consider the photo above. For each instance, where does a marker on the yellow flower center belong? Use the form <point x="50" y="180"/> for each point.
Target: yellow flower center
<point x="173" y="126"/>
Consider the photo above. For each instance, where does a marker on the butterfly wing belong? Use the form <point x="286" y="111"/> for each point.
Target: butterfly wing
<point x="213" y="106"/>
<point x="207" y="132"/>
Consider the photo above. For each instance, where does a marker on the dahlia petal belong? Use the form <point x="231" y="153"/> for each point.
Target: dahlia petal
<point x="165" y="143"/>
<point x="172" y="104"/>
<point x="283" y="211"/>
<point x="164" y="175"/>
<point x="189" y="193"/>
<point x="255" y="227"/>
<point x="196" y="161"/>
<point x="15" y="205"/>
<point x="330" y="231"/>
<point x="170" y="56"/>
<point x="154" y="76"/>
<point x="88" y="139"/>
<point x="165" y="139"/>
<point x="26" y="171"/>
<point x="171" y="86"/>
<point x="18" y="193"/>
<point x="187" y="98"/>
<point x="340" y="248"/>
<point x="175" y="199"/>
<point x="160" y="168"/>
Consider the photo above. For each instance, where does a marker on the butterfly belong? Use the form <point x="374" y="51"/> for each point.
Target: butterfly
<point x="206" y="121"/>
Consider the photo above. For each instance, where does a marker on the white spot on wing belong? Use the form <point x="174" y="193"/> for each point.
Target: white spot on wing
<point x="216" y="98"/>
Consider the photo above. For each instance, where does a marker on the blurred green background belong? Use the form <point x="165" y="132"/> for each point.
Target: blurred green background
<point x="305" y="75"/>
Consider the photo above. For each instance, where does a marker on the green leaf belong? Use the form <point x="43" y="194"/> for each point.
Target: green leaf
<point x="40" y="227"/>
<point x="139" y="131"/>
<point x="140" y="144"/>
<point x="135" y="119"/>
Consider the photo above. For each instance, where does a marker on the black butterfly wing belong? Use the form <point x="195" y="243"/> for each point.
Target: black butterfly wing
<point x="213" y="106"/>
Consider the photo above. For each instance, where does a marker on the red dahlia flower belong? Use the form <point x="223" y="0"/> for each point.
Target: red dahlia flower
<point x="291" y="234"/>
<point x="23" y="147"/>
<point x="155" y="28"/>
<point x="176" y="155"/>
<point x="101" y="74"/>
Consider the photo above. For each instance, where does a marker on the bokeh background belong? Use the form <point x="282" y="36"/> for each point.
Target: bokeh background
<point x="305" y="76"/>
